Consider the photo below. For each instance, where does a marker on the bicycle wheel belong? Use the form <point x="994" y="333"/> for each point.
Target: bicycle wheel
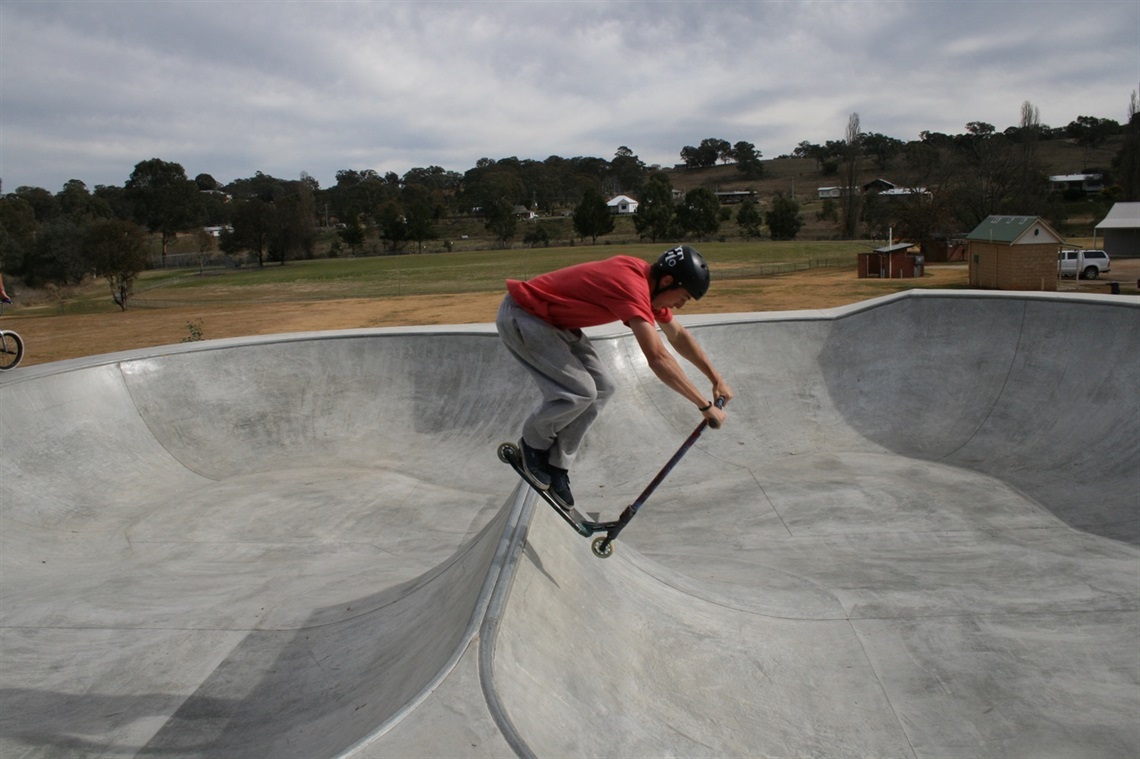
<point x="11" y="350"/>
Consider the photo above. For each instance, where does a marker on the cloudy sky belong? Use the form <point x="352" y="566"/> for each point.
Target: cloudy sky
<point x="89" y="88"/>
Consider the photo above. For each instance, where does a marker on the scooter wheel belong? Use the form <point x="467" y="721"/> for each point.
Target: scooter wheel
<point x="507" y="451"/>
<point x="603" y="548"/>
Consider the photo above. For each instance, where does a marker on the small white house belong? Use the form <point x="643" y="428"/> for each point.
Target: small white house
<point x="1087" y="183"/>
<point x="622" y="205"/>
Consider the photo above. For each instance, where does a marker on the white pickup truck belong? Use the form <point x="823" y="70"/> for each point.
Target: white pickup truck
<point x="1089" y="264"/>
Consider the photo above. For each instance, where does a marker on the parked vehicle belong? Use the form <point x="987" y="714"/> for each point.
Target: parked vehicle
<point x="1089" y="264"/>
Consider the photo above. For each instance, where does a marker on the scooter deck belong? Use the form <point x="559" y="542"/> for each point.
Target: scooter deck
<point x="510" y="453"/>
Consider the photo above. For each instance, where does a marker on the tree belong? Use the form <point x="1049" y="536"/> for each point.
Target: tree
<point x="921" y="218"/>
<point x="420" y="214"/>
<point x="749" y="219"/>
<point x="537" y="235"/>
<point x="352" y="234"/>
<point x="45" y="206"/>
<point x="294" y="229"/>
<point x="722" y="149"/>
<point x="883" y="148"/>
<point x="828" y="212"/>
<point x="393" y="226"/>
<point x="56" y="256"/>
<point x="79" y="205"/>
<point x="433" y="178"/>
<point x="706" y="155"/>
<point x="699" y="214"/>
<point x="116" y="250"/>
<point x="357" y="195"/>
<point x="592" y="217"/>
<point x="748" y="160"/>
<point x="494" y="183"/>
<point x="253" y="228"/>
<point x="1126" y="164"/>
<point x="1090" y="133"/>
<point x="501" y="219"/>
<point x="784" y="220"/>
<point x="850" y="199"/>
<point x="628" y="172"/>
<point x="992" y="174"/>
<point x="817" y="153"/>
<point x="1030" y="188"/>
<point x="923" y="159"/>
<point x="691" y="157"/>
<point x="654" y="214"/>
<point x="876" y="214"/>
<point x="979" y="130"/>
<point x="164" y="200"/>
<point x="17" y="233"/>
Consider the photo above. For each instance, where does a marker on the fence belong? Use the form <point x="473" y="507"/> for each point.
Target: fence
<point x="457" y="281"/>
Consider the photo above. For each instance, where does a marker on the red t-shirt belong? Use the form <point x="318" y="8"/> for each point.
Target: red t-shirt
<point x="589" y="294"/>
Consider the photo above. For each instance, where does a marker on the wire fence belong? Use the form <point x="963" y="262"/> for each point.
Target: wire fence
<point x="399" y="284"/>
<point x="440" y="281"/>
<point x="757" y="271"/>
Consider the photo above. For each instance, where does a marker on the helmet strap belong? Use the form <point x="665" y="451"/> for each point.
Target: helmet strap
<point x="658" y="288"/>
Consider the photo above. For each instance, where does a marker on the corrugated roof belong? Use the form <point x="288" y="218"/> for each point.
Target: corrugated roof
<point x="1122" y="216"/>
<point x="1011" y="230"/>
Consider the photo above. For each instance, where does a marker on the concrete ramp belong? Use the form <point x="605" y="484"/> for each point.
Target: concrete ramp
<point x="918" y="536"/>
<point x="624" y="658"/>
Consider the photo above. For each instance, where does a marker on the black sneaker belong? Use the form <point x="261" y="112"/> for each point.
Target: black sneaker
<point x="560" y="487"/>
<point x="534" y="464"/>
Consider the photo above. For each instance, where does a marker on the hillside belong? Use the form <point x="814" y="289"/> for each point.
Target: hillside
<point x="801" y="178"/>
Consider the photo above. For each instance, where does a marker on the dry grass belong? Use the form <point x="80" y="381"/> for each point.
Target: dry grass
<point x="54" y="338"/>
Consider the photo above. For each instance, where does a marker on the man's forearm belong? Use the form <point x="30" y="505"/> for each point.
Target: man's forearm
<point x="669" y="371"/>
<point x="683" y="342"/>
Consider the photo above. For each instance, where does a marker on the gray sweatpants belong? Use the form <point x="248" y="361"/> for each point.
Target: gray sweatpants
<point x="572" y="379"/>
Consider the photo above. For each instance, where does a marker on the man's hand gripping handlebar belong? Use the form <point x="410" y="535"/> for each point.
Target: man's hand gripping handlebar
<point x="714" y="414"/>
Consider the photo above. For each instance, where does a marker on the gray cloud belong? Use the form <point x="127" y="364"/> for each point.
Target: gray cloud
<point x="88" y="89"/>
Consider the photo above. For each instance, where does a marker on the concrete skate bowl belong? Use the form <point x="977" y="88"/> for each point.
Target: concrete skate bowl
<point x="917" y="537"/>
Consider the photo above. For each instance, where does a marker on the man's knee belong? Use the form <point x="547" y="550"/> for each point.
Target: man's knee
<point x="583" y="395"/>
<point x="603" y="389"/>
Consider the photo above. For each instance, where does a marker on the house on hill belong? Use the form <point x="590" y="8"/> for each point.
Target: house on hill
<point x="730" y="197"/>
<point x="1090" y="184"/>
<point x="878" y="186"/>
<point x="622" y="205"/>
<point x="1014" y="253"/>
<point x="1121" y="231"/>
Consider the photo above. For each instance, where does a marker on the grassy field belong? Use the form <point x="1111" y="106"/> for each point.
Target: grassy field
<point x="434" y="273"/>
<point x="173" y="306"/>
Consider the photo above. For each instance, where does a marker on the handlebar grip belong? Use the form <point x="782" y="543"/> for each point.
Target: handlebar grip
<point x="719" y="404"/>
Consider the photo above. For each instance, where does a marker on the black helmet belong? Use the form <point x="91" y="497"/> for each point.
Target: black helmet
<point x="687" y="267"/>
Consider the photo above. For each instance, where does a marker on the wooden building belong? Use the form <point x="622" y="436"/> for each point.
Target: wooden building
<point x="1014" y="253"/>
<point x="891" y="262"/>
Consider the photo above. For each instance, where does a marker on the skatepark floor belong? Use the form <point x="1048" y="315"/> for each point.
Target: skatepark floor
<point x="918" y="535"/>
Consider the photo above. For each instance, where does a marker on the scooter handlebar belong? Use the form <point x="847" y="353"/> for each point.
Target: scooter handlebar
<point x="720" y="401"/>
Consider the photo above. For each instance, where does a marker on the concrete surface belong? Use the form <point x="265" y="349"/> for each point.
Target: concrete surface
<point x="918" y="535"/>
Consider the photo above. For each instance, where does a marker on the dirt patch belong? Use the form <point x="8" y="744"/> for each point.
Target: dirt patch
<point x="54" y="338"/>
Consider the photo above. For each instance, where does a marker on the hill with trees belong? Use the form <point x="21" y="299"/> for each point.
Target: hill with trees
<point x="940" y="186"/>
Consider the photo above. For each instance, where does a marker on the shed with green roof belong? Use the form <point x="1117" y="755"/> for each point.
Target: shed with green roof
<point x="1014" y="253"/>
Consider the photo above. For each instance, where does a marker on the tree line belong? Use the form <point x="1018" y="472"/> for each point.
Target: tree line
<point x="63" y="237"/>
<point x="956" y="181"/>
